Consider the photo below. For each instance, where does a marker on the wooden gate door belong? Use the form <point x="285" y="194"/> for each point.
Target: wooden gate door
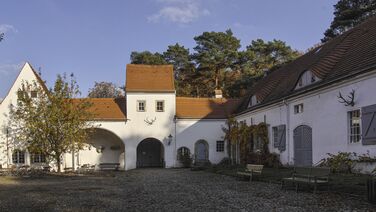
<point x="303" y="146"/>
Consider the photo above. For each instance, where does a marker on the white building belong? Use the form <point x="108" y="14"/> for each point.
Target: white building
<point x="147" y="128"/>
<point x="299" y="102"/>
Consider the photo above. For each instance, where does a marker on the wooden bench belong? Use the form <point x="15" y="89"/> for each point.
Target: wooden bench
<point x="251" y="170"/>
<point x="109" y="166"/>
<point x="315" y="176"/>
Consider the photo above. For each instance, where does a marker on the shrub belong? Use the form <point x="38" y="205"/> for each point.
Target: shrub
<point x="185" y="160"/>
<point x="270" y="160"/>
<point x="342" y="162"/>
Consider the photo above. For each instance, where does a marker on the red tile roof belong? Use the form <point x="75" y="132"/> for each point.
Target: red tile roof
<point x="205" y="108"/>
<point x="347" y="55"/>
<point x="107" y="109"/>
<point x="149" y="78"/>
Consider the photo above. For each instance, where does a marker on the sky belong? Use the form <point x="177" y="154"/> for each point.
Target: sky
<point x="94" y="38"/>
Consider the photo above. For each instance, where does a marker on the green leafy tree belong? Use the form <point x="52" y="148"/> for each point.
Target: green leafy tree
<point x="260" y="56"/>
<point x="105" y="90"/>
<point x="147" y="58"/>
<point x="51" y="122"/>
<point x="184" y="68"/>
<point x="216" y="53"/>
<point x="268" y="55"/>
<point x="347" y="14"/>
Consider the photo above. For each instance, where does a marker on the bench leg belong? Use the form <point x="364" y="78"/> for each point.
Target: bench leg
<point x="250" y="177"/>
<point x="296" y="187"/>
<point x="314" y="188"/>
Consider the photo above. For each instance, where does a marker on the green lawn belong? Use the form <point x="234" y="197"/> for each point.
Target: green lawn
<point x="354" y="184"/>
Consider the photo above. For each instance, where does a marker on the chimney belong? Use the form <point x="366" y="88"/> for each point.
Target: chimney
<point x="218" y="93"/>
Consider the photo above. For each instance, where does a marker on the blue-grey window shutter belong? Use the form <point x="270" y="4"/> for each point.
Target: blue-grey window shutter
<point x="282" y="137"/>
<point x="369" y="125"/>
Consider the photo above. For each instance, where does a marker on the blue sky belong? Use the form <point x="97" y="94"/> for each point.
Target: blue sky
<point x="94" y="38"/>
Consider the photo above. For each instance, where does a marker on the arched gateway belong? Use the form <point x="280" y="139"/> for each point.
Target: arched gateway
<point x="102" y="147"/>
<point x="150" y="153"/>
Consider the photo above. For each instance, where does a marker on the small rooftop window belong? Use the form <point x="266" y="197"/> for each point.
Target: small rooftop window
<point x="253" y="101"/>
<point x="307" y="78"/>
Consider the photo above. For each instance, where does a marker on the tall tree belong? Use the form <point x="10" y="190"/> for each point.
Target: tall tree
<point x="267" y="55"/>
<point x="216" y="52"/>
<point x="105" y="90"/>
<point x="184" y="68"/>
<point x="259" y="56"/>
<point x="147" y="58"/>
<point x="51" y="122"/>
<point x="347" y="14"/>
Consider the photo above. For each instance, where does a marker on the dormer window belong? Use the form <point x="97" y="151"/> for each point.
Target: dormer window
<point x="253" y="101"/>
<point x="307" y="78"/>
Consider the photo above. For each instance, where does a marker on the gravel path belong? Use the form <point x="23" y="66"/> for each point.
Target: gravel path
<point x="163" y="190"/>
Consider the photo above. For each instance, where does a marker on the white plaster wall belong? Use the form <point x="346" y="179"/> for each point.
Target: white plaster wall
<point x="188" y="132"/>
<point x="324" y="114"/>
<point x="26" y="74"/>
<point x="138" y="130"/>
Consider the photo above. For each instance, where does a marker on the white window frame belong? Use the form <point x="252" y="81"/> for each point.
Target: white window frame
<point x="253" y="101"/>
<point x="138" y="105"/>
<point x="156" y="105"/>
<point x="38" y="158"/>
<point x="307" y="78"/>
<point x="354" y="133"/>
<point x="17" y="155"/>
<point x="298" y="108"/>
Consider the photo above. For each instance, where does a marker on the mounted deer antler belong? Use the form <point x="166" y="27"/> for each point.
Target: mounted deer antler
<point x="150" y="122"/>
<point x="349" y="101"/>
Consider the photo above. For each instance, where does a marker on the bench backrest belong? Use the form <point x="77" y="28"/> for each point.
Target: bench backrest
<point x="312" y="171"/>
<point x="320" y="171"/>
<point x="302" y="170"/>
<point x="254" y="167"/>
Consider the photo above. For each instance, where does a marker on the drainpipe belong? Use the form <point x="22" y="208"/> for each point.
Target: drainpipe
<point x="287" y="129"/>
<point x="175" y="151"/>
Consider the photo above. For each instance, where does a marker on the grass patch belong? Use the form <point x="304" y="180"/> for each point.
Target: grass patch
<point x="354" y="184"/>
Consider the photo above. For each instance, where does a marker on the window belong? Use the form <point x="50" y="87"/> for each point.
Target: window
<point x="257" y="144"/>
<point x="183" y="151"/>
<point x="220" y="146"/>
<point x="279" y="137"/>
<point x="298" y="108"/>
<point x="160" y="106"/>
<point x="307" y="78"/>
<point x="141" y="105"/>
<point x="34" y="94"/>
<point x="18" y="156"/>
<point x="38" y="158"/>
<point x="354" y="126"/>
<point x="253" y="101"/>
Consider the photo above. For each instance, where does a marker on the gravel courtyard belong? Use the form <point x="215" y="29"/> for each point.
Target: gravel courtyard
<point x="163" y="190"/>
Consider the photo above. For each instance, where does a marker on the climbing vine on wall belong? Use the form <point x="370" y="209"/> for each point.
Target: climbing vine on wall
<point x="241" y="139"/>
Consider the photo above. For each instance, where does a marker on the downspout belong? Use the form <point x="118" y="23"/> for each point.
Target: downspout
<point x="287" y="129"/>
<point x="175" y="151"/>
